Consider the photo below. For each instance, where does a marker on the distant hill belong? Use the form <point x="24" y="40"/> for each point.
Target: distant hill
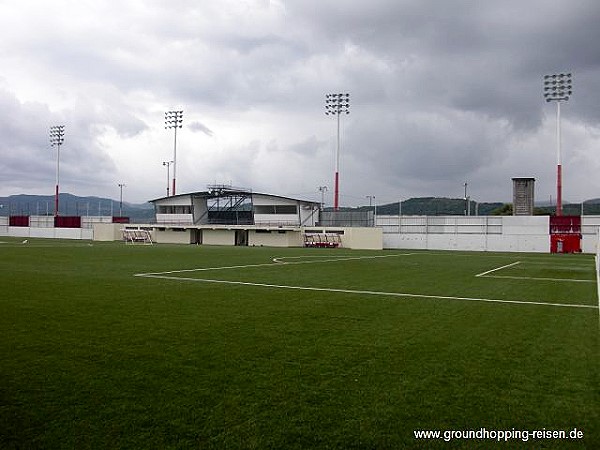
<point x="439" y="206"/>
<point x="73" y="205"/>
<point x="433" y="206"/>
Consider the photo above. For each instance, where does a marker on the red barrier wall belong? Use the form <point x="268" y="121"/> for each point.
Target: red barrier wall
<point x="18" y="221"/>
<point x="67" y="222"/>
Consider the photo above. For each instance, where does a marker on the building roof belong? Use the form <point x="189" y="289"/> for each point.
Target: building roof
<point x="224" y="191"/>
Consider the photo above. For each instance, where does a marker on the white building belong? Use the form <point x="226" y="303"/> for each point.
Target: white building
<point x="224" y="215"/>
<point x="225" y="205"/>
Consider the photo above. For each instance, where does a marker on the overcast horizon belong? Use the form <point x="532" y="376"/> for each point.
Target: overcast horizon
<point x="442" y="93"/>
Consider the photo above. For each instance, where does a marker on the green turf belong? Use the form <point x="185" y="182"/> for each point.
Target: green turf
<point x="92" y="356"/>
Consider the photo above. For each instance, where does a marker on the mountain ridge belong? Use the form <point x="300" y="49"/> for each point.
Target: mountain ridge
<point x="70" y="204"/>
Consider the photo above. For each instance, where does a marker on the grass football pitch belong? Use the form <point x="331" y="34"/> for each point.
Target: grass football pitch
<point x="107" y="345"/>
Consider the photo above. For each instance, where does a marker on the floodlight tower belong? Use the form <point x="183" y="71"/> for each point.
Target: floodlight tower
<point x="57" y="137"/>
<point x="558" y="88"/>
<point x="174" y="119"/>
<point x="121" y="186"/>
<point x="467" y="201"/>
<point x="371" y="200"/>
<point x="336" y="104"/>
<point x="322" y="190"/>
<point x="167" y="164"/>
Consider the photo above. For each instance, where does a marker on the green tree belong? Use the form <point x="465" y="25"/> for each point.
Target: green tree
<point x="504" y="210"/>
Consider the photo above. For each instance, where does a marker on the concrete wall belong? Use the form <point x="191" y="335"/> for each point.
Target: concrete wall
<point x="182" y="219"/>
<point x="483" y="233"/>
<point x="471" y="233"/>
<point x="108" y="231"/>
<point x="590" y="226"/>
<point x="178" y="200"/>
<point x="218" y="237"/>
<point x="90" y="221"/>
<point x="363" y="238"/>
<point x="358" y="238"/>
<point x="275" y="238"/>
<point x="3" y="225"/>
<point x="47" y="233"/>
<point x="172" y="236"/>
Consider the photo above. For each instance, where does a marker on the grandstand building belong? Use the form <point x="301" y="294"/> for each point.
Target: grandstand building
<point x="225" y="205"/>
<point x="225" y="215"/>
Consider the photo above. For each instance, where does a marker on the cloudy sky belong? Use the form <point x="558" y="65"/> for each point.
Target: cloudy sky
<point x="442" y="93"/>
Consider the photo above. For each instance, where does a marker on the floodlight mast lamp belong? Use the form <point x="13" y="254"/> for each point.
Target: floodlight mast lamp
<point x="558" y="88"/>
<point x="336" y="104"/>
<point x="57" y="137"/>
<point x="174" y="119"/>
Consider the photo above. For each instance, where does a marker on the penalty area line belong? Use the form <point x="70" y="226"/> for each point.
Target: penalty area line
<point x="483" y="274"/>
<point x="366" y="292"/>
<point x="275" y="262"/>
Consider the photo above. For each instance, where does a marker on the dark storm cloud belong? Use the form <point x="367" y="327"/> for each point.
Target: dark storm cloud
<point x="28" y="159"/>
<point x="476" y="56"/>
<point x="462" y="79"/>
<point x="441" y="91"/>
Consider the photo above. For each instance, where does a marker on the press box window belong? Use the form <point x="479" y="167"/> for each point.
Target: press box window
<point x="174" y="209"/>
<point x="276" y="209"/>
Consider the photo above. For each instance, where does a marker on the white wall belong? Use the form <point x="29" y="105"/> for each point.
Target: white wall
<point x="182" y="219"/>
<point x="590" y="226"/>
<point x="362" y="238"/>
<point x="169" y="236"/>
<point x="178" y="200"/>
<point x="471" y="233"/>
<point x="218" y="237"/>
<point x="3" y="225"/>
<point x="358" y="238"/>
<point x="287" y="238"/>
<point x="48" y="233"/>
<point x="90" y="221"/>
<point x="108" y="231"/>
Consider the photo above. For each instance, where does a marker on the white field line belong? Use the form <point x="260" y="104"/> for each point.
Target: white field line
<point x="280" y="261"/>
<point x="597" y="259"/>
<point x="363" y="292"/>
<point x="334" y="259"/>
<point x="509" y="277"/>
<point x="483" y="274"/>
<point x="276" y="262"/>
<point x="574" y="280"/>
